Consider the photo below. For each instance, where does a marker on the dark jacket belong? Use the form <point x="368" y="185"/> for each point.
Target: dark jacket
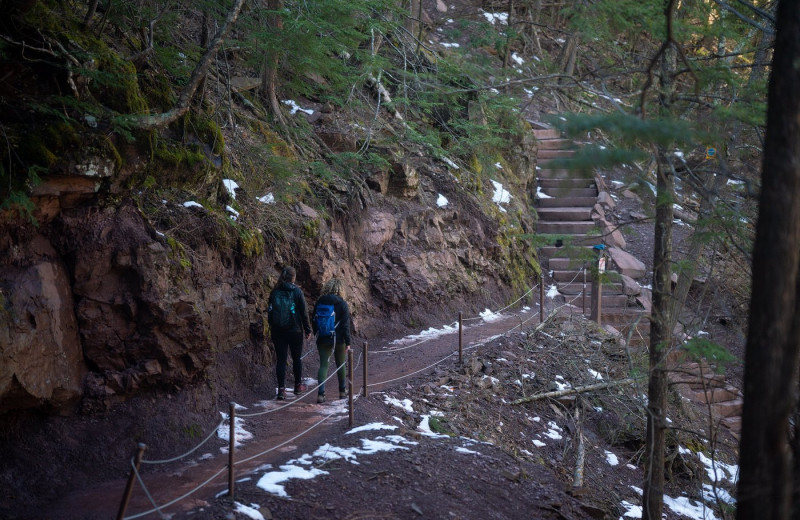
<point x="301" y="320"/>
<point x="342" y="319"/>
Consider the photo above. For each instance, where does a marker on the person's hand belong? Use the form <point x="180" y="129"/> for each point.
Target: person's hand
<point x="347" y="348"/>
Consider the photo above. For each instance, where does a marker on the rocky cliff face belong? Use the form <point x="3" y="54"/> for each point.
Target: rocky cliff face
<point x="98" y="303"/>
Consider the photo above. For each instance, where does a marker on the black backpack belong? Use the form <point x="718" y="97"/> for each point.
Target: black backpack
<point x="282" y="312"/>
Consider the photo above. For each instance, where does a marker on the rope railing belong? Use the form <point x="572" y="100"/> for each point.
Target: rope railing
<point x="157" y="509"/>
<point x="352" y="369"/>
<point x="506" y="307"/>
<point x="146" y="491"/>
<point x="284" y="443"/>
<point x="399" y="349"/>
<point x="296" y="401"/>
<point x="288" y="403"/>
<point x="413" y="373"/>
<point x="179" y="457"/>
<point x="309" y="351"/>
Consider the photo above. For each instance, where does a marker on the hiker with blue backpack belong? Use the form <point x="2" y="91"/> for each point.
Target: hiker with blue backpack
<point x="288" y="322"/>
<point x="331" y="324"/>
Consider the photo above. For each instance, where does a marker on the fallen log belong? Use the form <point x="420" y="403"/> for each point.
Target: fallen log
<point x="578" y="390"/>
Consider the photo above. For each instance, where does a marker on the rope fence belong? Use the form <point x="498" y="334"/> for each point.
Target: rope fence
<point x="474" y="318"/>
<point x="506" y="307"/>
<point x="179" y="457"/>
<point x="352" y="366"/>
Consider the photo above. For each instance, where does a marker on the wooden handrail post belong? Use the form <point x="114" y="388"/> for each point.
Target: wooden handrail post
<point x="541" y="297"/>
<point x="583" y="292"/>
<point x="126" y="496"/>
<point x="366" y="350"/>
<point x="350" y="383"/>
<point x="597" y="284"/>
<point x="460" y="338"/>
<point x="231" y="448"/>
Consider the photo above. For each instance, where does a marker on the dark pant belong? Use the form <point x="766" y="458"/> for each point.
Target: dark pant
<point x="340" y="356"/>
<point x="284" y="343"/>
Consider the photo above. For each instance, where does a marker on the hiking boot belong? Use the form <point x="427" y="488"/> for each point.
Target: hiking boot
<point x="299" y="389"/>
<point x="281" y="394"/>
<point x="342" y="394"/>
<point x="321" y="398"/>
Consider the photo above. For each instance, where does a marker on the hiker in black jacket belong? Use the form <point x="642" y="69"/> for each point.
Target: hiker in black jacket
<point x="333" y="334"/>
<point x="288" y="323"/>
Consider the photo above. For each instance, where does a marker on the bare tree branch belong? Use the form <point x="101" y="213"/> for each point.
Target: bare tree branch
<point x="763" y="14"/>
<point x="150" y="121"/>
<point x="578" y="390"/>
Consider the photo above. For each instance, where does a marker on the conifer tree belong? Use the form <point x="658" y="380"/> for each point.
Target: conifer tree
<point x="769" y="478"/>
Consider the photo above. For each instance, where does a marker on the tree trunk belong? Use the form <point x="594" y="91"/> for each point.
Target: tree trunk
<point x="534" y="17"/>
<point x="507" y="50"/>
<point x="661" y="314"/>
<point x="660" y="338"/>
<point x="269" y="77"/>
<point x="766" y="479"/>
<point x="90" y="13"/>
<point x="205" y="36"/>
<point x="413" y="22"/>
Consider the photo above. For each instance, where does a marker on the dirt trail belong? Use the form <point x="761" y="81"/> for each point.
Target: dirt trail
<point x="389" y="361"/>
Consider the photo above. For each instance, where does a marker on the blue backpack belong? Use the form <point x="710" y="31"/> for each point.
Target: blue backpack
<point x="325" y="319"/>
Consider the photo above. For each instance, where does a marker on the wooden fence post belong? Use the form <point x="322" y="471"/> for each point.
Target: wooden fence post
<point x="366" y="350"/>
<point x="541" y="297"/>
<point x="126" y="496"/>
<point x="583" y="292"/>
<point x="231" y="448"/>
<point x="460" y="338"/>
<point x="350" y="383"/>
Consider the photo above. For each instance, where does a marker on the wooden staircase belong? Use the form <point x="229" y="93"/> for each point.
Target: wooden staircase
<point x="565" y="216"/>
<point x="565" y="199"/>
<point x="699" y="382"/>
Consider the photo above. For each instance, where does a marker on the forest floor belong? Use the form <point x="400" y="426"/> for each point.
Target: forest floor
<point x="449" y="442"/>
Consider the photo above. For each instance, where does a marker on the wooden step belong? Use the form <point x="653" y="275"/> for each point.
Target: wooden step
<point x="567" y="202"/>
<point x="610" y="302"/>
<point x="577" y="288"/>
<point x="567" y="251"/>
<point x="548" y="173"/>
<point x="572" y="276"/>
<point x="566" y="264"/>
<point x="729" y="408"/>
<point x="733" y="423"/>
<point x="554" y="154"/>
<point x="555" y="144"/>
<point x="570" y="192"/>
<point x="715" y="395"/>
<point x="571" y="240"/>
<point x="565" y="214"/>
<point x="567" y="183"/>
<point x="565" y="227"/>
<point x="615" y="303"/>
<point x="629" y="317"/>
<point x="546" y="133"/>
<point x="562" y="275"/>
